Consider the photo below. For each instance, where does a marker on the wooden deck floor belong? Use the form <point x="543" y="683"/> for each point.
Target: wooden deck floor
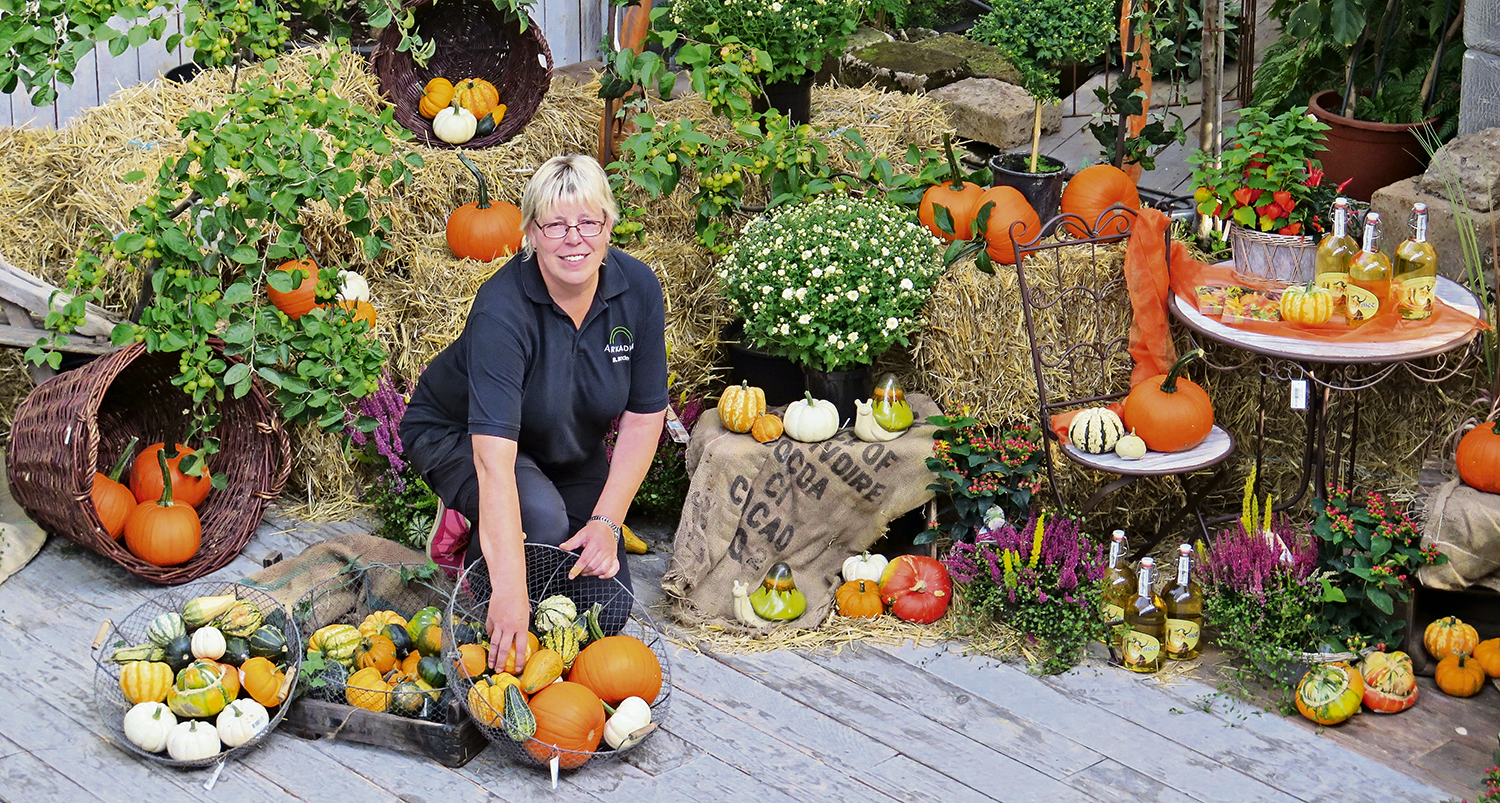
<point x="872" y="724"/>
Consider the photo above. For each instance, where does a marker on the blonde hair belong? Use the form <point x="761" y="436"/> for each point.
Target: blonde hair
<point x="571" y="178"/>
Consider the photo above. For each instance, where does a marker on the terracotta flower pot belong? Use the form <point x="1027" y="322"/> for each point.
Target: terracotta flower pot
<point x="1375" y="155"/>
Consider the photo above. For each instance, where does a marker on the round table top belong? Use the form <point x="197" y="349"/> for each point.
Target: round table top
<point x="1341" y="352"/>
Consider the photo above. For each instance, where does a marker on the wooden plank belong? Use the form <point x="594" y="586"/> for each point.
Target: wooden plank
<point x="1455" y="761"/>
<point x="911" y="780"/>
<point x="20" y="769"/>
<point x="1111" y="780"/>
<point x="36" y="294"/>
<point x="970" y="746"/>
<point x="747" y="700"/>
<point x="662" y="753"/>
<point x="781" y="765"/>
<point x="403" y="774"/>
<point x="1122" y="739"/>
<point x="707" y="779"/>
<point x="1307" y="768"/>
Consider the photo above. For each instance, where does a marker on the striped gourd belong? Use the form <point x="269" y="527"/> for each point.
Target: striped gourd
<point x="166" y="627"/>
<point x="336" y="642"/>
<point x="565" y="641"/>
<point x="1095" y="430"/>
<point x="517" y="720"/>
<point x="555" y="611"/>
<point x="241" y="620"/>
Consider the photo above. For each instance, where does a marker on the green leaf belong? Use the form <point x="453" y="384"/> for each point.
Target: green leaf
<point x="123" y="333"/>
<point x="1331" y="593"/>
<point x="237" y="373"/>
<point x="245" y="255"/>
<point x="1381" y="599"/>
<point x="238" y="293"/>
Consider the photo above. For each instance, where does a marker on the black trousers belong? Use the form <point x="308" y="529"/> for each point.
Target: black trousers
<point x="555" y="504"/>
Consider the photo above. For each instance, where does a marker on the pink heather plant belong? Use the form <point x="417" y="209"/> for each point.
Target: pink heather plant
<point x="1251" y="564"/>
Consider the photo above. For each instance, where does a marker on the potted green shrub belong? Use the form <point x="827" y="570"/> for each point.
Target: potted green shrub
<point x="1038" y="38"/>
<point x="1376" y="72"/>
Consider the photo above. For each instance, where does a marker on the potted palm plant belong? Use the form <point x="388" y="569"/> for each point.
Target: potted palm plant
<point x="1038" y="38"/>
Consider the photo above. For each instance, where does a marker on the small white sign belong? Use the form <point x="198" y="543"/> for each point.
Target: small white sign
<point x="1299" y="394"/>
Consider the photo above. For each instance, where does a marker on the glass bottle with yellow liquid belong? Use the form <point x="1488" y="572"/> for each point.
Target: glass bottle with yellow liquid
<point x="1119" y="590"/>
<point x="1414" y="277"/>
<point x="1184" y="609"/>
<point x="1334" y="252"/>
<point x="1146" y="624"/>
<point x="1369" y="288"/>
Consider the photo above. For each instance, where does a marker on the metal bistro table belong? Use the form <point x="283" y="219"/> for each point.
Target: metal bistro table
<point x="1327" y="367"/>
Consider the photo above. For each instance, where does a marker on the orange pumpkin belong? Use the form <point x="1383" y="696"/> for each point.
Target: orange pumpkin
<point x="163" y="532"/>
<point x="477" y="95"/>
<point x="766" y="428"/>
<point x="483" y="229"/>
<point x="366" y="689"/>
<point x="377" y="651"/>
<point x="1007" y="209"/>
<point x="616" y="667"/>
<point x="1449" y="636"/>
<point x="113" y="502"/>
<point x="262" y="681"/>
<point x="301" y="299"/>
<point x="436" y="95"/>
<point x="569" y="724"/>
<point x="363" y="311"/>
<point x="146" y="479"/>
<point x="472" y="660"/>
<point x="1170" y="413"/>
<point x="859" y="599"/>
<point x="1460" y="675"/>
<point x="1094" y="190"/>
<point x="959" y="197"/>
<point x="1487" y="653"/>
<point x="1478" y="458"/>
<point x="408" y="664"/>
<point x="532" y="645"/>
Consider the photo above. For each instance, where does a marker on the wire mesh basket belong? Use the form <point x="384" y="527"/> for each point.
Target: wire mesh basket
<point x="546" y="575"/>
<point x="349" y="598"/>
<point x="109" y="698"/>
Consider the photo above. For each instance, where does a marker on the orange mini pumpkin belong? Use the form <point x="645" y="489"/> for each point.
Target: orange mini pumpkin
<point x="477" y="95"/>
<point x="766" y="428"/>
<point x="859" y="599"/>
<point x="484" y="229"/>
<point x="1449" y="636"/>
<point x="1460" y="675"/>
<point x="436" y="95"/>
<point x="363" y="311"/>
<point x="146" y="478"/>
<point x="1487" y="653"/>
<point x="301" y="299"/>
<point x="1478" y="458"/>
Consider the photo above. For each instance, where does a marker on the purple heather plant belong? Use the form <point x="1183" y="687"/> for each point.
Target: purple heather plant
<point x="404" y="503"/>
<point x="1248" y="564"/>
<point x="386" y="405"/>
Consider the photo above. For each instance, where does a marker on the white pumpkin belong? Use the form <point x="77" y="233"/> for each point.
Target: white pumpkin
<point x="208" y="643"/>
<point x="455" y="125"/>
<point x="869" y="430"/>
<point x="192" y="740"/>
<point x="240" y="721"/>
<point x="810" y="420"/>
<point x="147" y="726"/>
<point x="1130" y="447"/>
<point x="353" y="287"/>
<point x="631" y="716"/>
<point x="864" y="567"/>
<point x="1095" y="430"/>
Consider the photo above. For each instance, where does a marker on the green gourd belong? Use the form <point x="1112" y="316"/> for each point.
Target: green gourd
<point x="517" y="721"/>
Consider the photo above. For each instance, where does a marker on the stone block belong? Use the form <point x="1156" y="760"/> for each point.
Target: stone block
<point x="902" y="67"/>
<point x="1479" y="103"/>
<point x="983" y="61"/>
<point x="994" y="112"/>
<point x="1394" y="204"/>
<point x="1482" y="26"/>
<point x="1472" y="163"/>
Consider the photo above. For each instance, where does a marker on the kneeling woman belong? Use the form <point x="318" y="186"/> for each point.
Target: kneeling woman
<point x="507" y="424"/>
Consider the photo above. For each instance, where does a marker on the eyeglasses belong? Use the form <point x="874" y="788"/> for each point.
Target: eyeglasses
<point x="559" y="230"/>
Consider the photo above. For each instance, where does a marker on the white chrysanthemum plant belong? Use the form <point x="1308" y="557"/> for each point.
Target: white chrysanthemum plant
<point x="832" y="283"/>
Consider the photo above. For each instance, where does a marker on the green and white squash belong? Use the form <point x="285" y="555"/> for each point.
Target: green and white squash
<point x="407" y="699"/>
<point x="555" y="611"/>
<point x="1095" y="430"/>
<point x="268" y="642"/>
<point x="199" y="611"/>
<point x="517" y="720"/>
<point x="166" y="627"/>
<point x="241" y="620"/>
<point x="565" y="641"/>
<point x="1130" y="447"/>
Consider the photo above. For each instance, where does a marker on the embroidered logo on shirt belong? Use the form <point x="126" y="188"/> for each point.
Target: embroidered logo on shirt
<point x="621" y="343"/>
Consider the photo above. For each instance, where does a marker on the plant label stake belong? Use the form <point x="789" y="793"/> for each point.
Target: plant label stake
<point x="1299" y="394"/>
<point x="208" y="785"/>
<point x="553" y="765"/>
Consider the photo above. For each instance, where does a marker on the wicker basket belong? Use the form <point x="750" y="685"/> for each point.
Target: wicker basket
<point x="79" y="422"/>
<point x="547" y="574"/>
<point x="109" y="700"/>
<point x="474" y="40"/>
<point x="1286" y="258"/>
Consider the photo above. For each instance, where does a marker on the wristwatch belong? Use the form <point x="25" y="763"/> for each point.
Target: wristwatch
<point x="618" y="532"/>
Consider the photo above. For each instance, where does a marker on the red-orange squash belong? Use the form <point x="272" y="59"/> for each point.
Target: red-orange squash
<point x="1479" y="458"/>
<point x="569" y="724"/>
<point x="616" y="667"/>
<point x="1170" y="413"/>
<point x="917" y="588"/>
<point x="1390" y="686"/>
<point x="1008" y="209"/>
<point x="146" y="479"/>
<point x="1094" y="190"/>
<point x="301" y="299"/>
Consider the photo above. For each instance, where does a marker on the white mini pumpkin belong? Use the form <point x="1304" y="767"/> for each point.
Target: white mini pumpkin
<point x="147" y="726"/>
<point x="192" y="740"/>
<point x="240" y="721"/>
<point x="455" y="125"/>
<point x="208" y="643"/>
<point x="864" y="567"/>
<point x="353" y="287"/>
<point x="1095" y="430"/>
<point x="810" y="420"/>
<point x="1130" y="447"/>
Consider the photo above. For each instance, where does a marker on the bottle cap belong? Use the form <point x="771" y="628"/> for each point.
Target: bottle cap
<point x="1184" y="550"/>
<point x="1341" y="201"/>
<point x="1419" y="207"/>
<point x="1372" y="217"/>
<point x="1118" y="535"/>
<point x="1148" y="563"/>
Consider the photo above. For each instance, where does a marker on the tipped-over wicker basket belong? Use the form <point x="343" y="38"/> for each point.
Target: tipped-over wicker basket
<point x="79" y="422"/>
<point x="474" y="40"/>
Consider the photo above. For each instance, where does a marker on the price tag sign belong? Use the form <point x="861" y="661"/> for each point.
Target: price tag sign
<point x="1299" y="394"/>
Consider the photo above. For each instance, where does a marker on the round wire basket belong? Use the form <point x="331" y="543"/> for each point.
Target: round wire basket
<point x="349" y="597"/>
<point x="109" y="699"/>
<point x="547" y="574"/>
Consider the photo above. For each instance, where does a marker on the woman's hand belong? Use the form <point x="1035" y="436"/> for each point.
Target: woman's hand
<point x="508" y="619"/>
<point x="600" y="556"/>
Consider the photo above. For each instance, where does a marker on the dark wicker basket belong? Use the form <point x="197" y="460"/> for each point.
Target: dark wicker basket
<point x="79" y="422"/>
<point x="474" y="40"/>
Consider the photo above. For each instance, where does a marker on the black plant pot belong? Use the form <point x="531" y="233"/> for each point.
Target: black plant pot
<point x="843" y="388"/>
<point x="1042" y="190"/>
<point x="792" y="97"/>
<point x="779" y="377"/>
<point x="183" y="73"/>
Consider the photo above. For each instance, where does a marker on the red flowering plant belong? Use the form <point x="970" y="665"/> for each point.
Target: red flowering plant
<point x="986" y="475"/>
<point x="1268" y="178"/>
<point x="1041" y="578"/>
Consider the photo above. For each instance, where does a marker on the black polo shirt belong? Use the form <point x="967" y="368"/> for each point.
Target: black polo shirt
<point x="521" y="370"/>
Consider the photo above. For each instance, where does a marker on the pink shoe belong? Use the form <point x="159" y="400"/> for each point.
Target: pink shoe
<point x="449" y="540"/>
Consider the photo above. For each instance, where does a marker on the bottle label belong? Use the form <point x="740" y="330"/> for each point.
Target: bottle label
<point x="1422" y="228"/>
<point x="1182" y="636"/>
<point x="1334" y="283"/>
<point x="1414" y="296"/>
<point x="1113" y="614"/>
<point x="1140" y="650"/>
<point x="1360" y="304"/>
<point x="1182" y="572"/>
<point x="1115" y="548"/>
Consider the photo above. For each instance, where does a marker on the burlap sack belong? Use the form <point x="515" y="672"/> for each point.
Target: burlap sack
<point x="811" y="505"/>
<point x="290" y="579"/>
<point x="1465" y="526"/>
